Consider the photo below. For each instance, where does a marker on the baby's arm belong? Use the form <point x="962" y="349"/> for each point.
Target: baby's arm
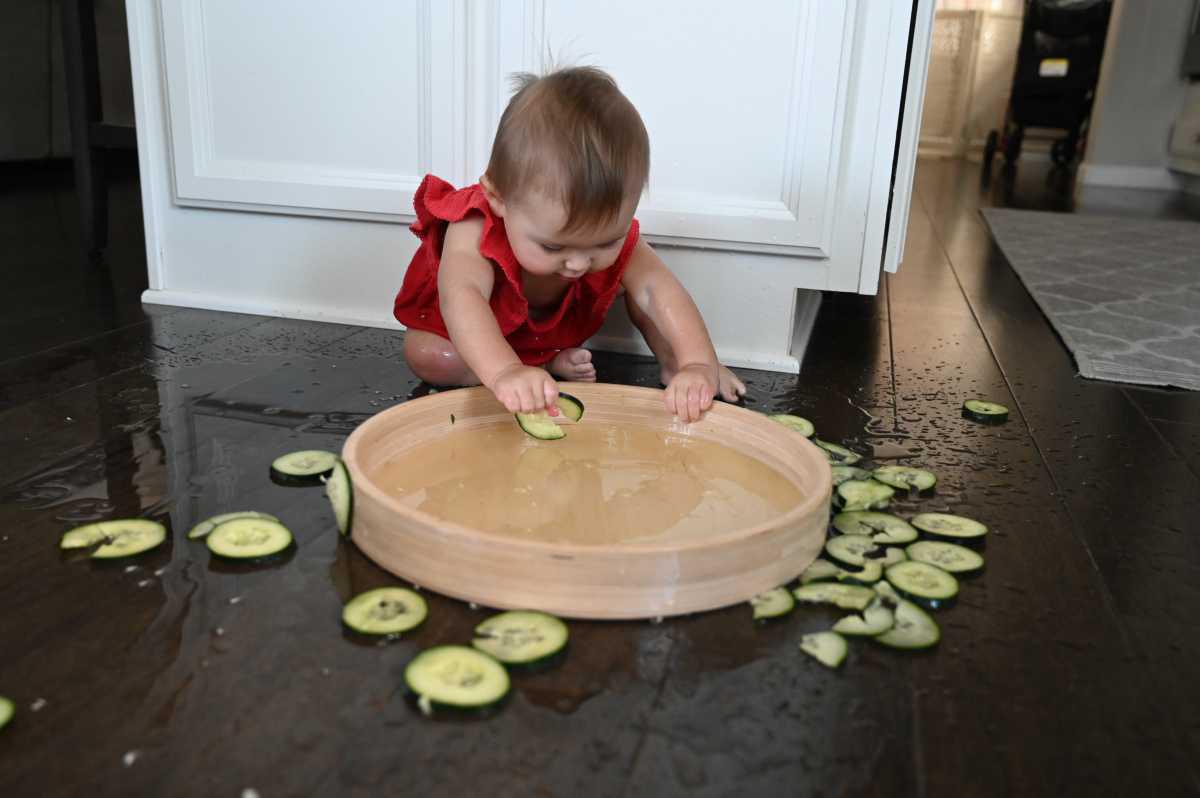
<point x="663" y="299"/>
<point x="465" y="280"/>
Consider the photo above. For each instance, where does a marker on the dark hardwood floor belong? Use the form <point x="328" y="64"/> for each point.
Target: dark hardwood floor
<point x="1067" y="668"/>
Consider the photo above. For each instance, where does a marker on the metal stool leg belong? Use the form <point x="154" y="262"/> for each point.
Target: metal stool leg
<point x="83" y="102"/>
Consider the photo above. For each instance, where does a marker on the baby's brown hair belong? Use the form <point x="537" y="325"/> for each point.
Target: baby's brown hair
<point x="572" y="135"/>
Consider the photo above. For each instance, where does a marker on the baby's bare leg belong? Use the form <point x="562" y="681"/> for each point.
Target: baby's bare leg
<point x="730" y="388"/>
<point x="435" y="360"/>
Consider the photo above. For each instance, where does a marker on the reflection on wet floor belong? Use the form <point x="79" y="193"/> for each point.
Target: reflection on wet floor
<point x="228" y="676"/>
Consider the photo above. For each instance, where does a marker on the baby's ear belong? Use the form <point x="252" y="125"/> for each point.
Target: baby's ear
<point x="489" y="191"/>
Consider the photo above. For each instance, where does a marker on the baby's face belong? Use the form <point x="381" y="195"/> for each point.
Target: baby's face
<point x="534" y="227"/>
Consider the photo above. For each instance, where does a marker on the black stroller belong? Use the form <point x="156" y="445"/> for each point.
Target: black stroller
<point x="1058" y="65"/>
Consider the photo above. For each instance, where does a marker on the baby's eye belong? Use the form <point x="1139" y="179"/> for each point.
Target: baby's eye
<point x="551" y="248"/>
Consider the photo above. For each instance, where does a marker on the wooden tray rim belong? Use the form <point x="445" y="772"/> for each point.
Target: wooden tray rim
<point x="794" y="515"/>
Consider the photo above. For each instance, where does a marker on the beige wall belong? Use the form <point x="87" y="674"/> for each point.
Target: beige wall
<point x="1141" y="89"/>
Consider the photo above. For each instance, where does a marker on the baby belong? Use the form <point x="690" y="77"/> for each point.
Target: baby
<point x="515" y="273"/>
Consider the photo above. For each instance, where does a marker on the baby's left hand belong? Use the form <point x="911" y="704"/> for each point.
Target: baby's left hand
<point x="691" y="391"/>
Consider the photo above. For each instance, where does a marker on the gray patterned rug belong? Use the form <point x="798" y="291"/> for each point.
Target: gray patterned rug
<point x="1124" y="294"/>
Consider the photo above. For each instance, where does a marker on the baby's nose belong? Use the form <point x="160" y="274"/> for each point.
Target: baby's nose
<point x="579" y="263"/>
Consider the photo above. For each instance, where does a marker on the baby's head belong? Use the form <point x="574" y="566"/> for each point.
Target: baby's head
<point x="568" y="166"/>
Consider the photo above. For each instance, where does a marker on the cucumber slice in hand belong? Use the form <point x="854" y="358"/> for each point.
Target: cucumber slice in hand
<point x="923" y="583"/>
<point x="203" y="528"/>
<point x="837" y="455"/>
<point x="303" y="468"/>
<point x="912" y="628"/>
<point x="882" y="528"/>
<point x="7" y="710"/>
<point x="541" y="425"/>
<point x="984" y="412"/>
<point x="249" y="538"/>
<point x="385" y="611"/>
<point x="121" y="538"/>
<point x="858" y="495"/>
<point x="775" y="603"/>
<point x="795" y="423"/>
<point x="521" y="637"/>
<point x="340" y="492"/>
<point x="905" y="478"/>
<point x="456" y="677"/>
<point x="953" y="528"/>
<point x="827" y="648"/>
<point x="569" y="406"/>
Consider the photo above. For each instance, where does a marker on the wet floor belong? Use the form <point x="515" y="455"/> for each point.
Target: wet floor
<point x="1067" y="668"/>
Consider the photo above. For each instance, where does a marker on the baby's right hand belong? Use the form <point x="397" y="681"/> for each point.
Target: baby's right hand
<point x="526" y="389"/>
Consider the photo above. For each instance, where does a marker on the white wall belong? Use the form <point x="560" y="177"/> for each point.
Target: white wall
<point x="1140" y="95"/>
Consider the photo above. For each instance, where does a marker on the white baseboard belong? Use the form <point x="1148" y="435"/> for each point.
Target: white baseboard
<point x="633" y="344"/>
<point x="185" y="299"/>
<point x="1157" y="178"/>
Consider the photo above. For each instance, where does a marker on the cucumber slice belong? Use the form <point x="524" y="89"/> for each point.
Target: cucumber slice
<point x="569" y="406"/>
<point x="912" y="628"/>
<point x="848" y="597"/>
<point x="875" y="620"/>
<point x="870" y="573"/>
<point x="891" y="556"/>
<point x="858" y="495"/>
<point x="457" y="677"/>
<point x="385" y="611"/>
<point x="882" y="527"/>
<point x="7" y="710"/>
<point x="923" y="583"/>
<point x="121" y="538"/>
<point x="827" y="648"/>
<point x="837" y="455"/>
<point x="984" y="412"/>
<point x="541" y="426"/>
<point x="249" y="538"/>
<point x="521" y="637"/>
<point x="775" y="603"/>
<point x="843" y="473"/>
<point x="850" y="550"/>
<point x="951" y="558"/>
<point x="795" y="423"/>
<point x="886" y="592"/>
<point x="905" y="478"/>
<point x="954" y="528"/>
<point x="302" y="468"/>
<point x="819" y="571"/>
<point x="340" y="492"/>
<point x="203" y="528"/>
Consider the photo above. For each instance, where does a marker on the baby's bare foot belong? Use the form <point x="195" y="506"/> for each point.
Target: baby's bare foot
<point x="573" y="365"/>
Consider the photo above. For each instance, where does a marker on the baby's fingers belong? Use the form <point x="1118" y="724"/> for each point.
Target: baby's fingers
<point x="550" y="393"/>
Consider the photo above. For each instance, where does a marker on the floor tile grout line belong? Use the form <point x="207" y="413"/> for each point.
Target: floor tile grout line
<point x="1128" y="637"/>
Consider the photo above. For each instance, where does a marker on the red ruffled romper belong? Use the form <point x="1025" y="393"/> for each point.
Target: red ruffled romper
<point x="536" y="341"/>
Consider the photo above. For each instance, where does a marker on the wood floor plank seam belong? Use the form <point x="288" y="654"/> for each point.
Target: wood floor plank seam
<point x="1128" y="637"/>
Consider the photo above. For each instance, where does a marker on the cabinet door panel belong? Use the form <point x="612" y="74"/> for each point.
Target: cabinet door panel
<point x="743" y="105"/>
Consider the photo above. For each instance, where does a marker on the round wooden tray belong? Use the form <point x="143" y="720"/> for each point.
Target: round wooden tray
<point x="612" y="581"/>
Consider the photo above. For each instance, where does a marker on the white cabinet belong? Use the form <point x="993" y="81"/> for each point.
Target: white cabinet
<point x="281" y="142"/>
